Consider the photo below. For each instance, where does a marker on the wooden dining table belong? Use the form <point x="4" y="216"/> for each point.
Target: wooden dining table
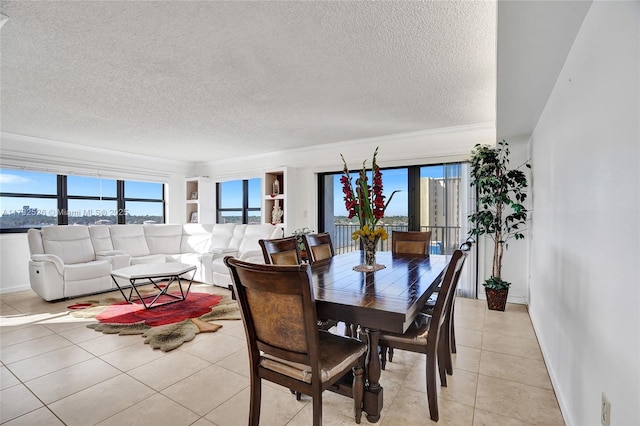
<point x="388" y="300"/>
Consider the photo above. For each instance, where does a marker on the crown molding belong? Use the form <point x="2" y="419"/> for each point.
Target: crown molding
<point x="38" y="154"/>
<point x="446" y="144"/>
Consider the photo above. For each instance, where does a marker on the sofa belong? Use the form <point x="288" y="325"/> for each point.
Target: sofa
<point x="77" y="260"/>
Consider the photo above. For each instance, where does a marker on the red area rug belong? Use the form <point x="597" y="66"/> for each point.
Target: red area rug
<point x="196" y="305"/>
<point x="163" y="327"/>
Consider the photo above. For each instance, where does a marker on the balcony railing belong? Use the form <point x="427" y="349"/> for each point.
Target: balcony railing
<point x="444" y="239"/>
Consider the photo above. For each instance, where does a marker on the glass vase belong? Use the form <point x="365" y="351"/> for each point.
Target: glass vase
<point x="369" y="248"/>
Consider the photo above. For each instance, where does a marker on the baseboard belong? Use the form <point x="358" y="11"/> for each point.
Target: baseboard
<point x="552" y="375"/>
<point x="15" y="289"/>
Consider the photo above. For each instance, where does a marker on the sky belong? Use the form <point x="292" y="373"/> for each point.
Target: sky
<point x="392" y="179"/>
<point x="25" y="182"/>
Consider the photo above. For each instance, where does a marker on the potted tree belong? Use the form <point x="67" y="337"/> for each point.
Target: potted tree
<point x="501" y="214"/>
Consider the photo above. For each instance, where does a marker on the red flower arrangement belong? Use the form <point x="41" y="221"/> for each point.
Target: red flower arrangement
<point x="367" y="201"/>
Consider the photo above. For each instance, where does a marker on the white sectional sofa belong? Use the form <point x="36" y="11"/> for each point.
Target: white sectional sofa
<point x="75" y="260"/>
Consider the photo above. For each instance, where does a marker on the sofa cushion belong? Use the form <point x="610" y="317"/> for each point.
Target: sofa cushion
<point x="220" y="272"/>
<point x="253" y="233"/>
<point x="189" y="259"/>
<point x="71" y="243"/>
<point x="117" y="261"/>
<point x="130" y="239"/>
<point x="34" y="238"/>
<point x="196" y="238"/>
<point x="101" y="238"/>
<point x="163" y="239"/>
<point x="236" y="238"/>
<point x="87" y="278"/>
<point x="87" y="271"/>
<point x="222" y="234"/>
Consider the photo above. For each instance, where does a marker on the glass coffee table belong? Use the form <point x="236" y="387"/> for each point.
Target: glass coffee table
<point x="154" y="273"/>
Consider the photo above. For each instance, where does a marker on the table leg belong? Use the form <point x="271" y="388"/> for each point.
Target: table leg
<point x="162" y="291"/>
<point x="373" y="391"/>
<point x="165" y="291"/>
<point x="119" y="288"/>
<point x="140" y="298"/>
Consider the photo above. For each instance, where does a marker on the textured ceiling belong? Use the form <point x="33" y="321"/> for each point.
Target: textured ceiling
<point x="199" y="81"/>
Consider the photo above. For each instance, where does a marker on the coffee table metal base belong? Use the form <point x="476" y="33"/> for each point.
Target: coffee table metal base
<point x="140" y="275"/>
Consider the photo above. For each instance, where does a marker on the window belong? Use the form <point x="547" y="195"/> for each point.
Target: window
<point x="33" y="200"/>
<point x="28" y="199"/>
<point x="91" y="200"/>
<point x="239" y="201"/>
<point x="255" y="201"/>
<point x="432" y="198"/>
<point x="334" y="215"/>
<point x="429" y="200"/>
<point x="143" y="202"/>
<point x="441" y="204"/>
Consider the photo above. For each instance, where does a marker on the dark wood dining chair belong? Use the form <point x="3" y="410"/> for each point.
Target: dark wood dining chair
<point x="289" y="349"/>
<point x="318" y="247"/>
<point x="410" y="242"/>
<point x="285" y="251"/>
<point x="449" y="326"/>
<point x="280" y="251"/>
<point x="426" y="334"/>
<point x="450" y="336"/>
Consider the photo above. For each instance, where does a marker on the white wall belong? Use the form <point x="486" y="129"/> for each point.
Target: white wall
<point x="585" y="255"/>
<point x="56" y="157"/>
<point x="14" y="270"/>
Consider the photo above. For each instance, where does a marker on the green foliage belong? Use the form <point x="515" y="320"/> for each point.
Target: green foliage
<point x="501" y="213"/>
<point x="298" y="233"/>
<point x="496" y="283"/>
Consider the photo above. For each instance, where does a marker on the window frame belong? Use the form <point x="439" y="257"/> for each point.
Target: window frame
<point x="413" y="196"/>
<point x="244" y="209"/>
<point x="62" y="199"/>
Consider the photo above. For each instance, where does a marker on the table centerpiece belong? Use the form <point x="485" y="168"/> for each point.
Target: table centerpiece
<point x="367" y="204"/>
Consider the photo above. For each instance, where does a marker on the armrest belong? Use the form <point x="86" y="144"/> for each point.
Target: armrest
<point x="117" y="258"/>
<point x="217" y="253"/>
<point x="51" y="258"/>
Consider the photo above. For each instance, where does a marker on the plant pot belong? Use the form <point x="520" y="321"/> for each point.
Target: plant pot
<point x="496" y="299"/>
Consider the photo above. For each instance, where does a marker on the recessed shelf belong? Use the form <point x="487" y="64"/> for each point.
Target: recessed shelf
<point x="200" y="200"/>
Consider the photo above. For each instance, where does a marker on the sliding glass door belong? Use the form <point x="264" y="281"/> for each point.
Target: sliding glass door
<point x="445" y="202"/>
<point x="442" y="207"/>
<point x="333" y="213"/>
<point x="434" y="198"/>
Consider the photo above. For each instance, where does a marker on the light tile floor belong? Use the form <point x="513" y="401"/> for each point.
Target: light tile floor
<point x="56" y="371"/>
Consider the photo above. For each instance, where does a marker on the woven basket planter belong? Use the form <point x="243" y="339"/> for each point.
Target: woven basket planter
<point x="496" y="299"/>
